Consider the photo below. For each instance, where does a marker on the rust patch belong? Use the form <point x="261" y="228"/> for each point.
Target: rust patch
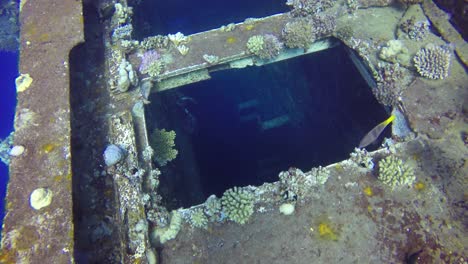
<point x="49" y="30"/>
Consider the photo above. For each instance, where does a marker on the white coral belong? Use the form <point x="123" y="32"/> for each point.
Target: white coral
<point x="433" y="62"/>
<point x="178" y="38"/>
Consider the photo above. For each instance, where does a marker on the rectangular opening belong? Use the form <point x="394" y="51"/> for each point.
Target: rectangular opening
<point x="244" y="126"/>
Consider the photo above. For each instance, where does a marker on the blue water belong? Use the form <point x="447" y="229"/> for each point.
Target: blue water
<point x="188" y="17"/>
<point x="9" y="70"/>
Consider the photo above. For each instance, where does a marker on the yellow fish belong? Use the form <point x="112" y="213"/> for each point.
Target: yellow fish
<point x="375" y="132"/>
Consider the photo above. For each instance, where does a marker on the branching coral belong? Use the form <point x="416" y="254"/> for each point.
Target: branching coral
<point x="264" y="46"/>
<point x="170" y="232"/>
<point x="392" y="80"/>
<point x="255" y="44"/>
<point x="394" y="172"/>
<point x="298" y="33"/>
<point x="296" y="184"/>
<point x="162" y="142"/>
<point x="158" y="41"/>
<point x="301" y="32"/>
<point x="151" y="63"/>
<point x="122" y="32"/>
<point x="308" y="7"/>
<point x="323" y="25"/>
<point x="238" y="204"/>
<point x="415" y="30"/>
<point x="433" y="62"/>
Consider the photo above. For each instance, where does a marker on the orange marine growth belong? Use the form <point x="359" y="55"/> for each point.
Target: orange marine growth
<point x="48" y="147"/>
<point x="420" y="186"/>
<point x="249" y="27"/>
<point x="231" y="40"/>
<point x="368" y="191"/>
<point x="327" y="232"/>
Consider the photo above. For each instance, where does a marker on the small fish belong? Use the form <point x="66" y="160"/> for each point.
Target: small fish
<point x="375" y="132"/>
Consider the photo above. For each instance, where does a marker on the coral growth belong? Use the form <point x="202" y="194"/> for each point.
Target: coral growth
<point x="178" y="39"/>
<point x="415" y="30"/>
<point x="122" y="32"/>
<point x="319" y="175"/>
<point x="392" y="80"/>
<point x="212" y="207"/>
<point x="308" y="7"/>
<point x="323" y="25"/>
<point x="296" y="184"/>
<point x="151" y="63"/>
<point x="255" y="44"/>
<point x="238" y="204"/>
<point x="298" y="33"/>
<point x="211" y="59"/>
<point x="198" y="219"/>
<point x="154" y="42"/>
<point x="303" y="31"/>
<point x="362" y="158"/>
<point x="433" y="62"/>
<point x="265" y="47"/>
<point x="394" y="172"/>
<point x="167" y="233"/>
<point x="162" y="142"/>
<point x="5" y="146"/>
<point x="394" y="51"/>
<point x="126" y="76"/>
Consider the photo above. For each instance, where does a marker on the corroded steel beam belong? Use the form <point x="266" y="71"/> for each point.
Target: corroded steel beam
<point x="49" y="30"/>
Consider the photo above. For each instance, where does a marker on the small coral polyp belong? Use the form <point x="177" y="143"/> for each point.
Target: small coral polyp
<point x="198" y="219"/>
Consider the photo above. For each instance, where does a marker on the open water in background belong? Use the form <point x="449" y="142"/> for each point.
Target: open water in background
<point x="9" y="71"/>
<point x="162" y="17"/>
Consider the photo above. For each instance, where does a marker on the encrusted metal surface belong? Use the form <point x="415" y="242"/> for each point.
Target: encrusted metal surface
<point x="49" y="30"/>
<point x="115" y="202"/>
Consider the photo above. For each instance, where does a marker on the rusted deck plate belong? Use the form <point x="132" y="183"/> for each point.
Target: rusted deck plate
<point x="49" y="30"/>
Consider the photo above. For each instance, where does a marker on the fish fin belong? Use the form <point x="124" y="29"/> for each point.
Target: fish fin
<point x="388" y="120"/>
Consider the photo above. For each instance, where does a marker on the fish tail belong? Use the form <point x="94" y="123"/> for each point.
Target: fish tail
<point x="389" y="120"/>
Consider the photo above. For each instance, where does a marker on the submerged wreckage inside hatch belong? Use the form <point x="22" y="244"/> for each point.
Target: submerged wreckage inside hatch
<point x="403" y="201"/>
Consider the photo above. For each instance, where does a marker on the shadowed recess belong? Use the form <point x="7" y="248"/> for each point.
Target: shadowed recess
<point x="243" y="127"/>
